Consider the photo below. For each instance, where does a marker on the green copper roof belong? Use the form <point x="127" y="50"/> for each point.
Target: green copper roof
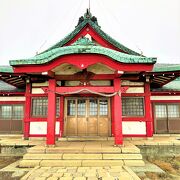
<point x="92" y="21"/>
<point x="5" y="87"/>
<point x="6" y="69"/>
<point x="83" y="49"/>
<point x="171" y="86"/>
<point x="166" y="67"/>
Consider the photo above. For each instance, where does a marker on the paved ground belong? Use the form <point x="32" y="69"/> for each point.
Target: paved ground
<point x="81" y="173"/>
<point x="116" y="172"/>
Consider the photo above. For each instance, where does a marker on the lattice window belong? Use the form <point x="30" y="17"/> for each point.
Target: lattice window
<point x="14" y="112"/>
<point x="93" y="107"/>
<point x="133" y="106"/>
<point x="40" y="107"/>
<point x="173" y="111"/>
<point x="160" y="111"/>
<point x="18" y="112"/>
<point x="81" y="107"/>
<point x="71" y="107"/>
<point x="103" y="107"/>
<point x="6" y="112"/>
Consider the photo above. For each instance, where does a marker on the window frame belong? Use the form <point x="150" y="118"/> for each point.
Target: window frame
<point x="167" y="110"/>
<point x="12" y="112"/>
<point x="135" y="115"/>
<point x="41" y="115"/>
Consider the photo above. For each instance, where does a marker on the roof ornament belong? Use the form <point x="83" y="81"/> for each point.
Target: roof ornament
<point x="88" y="16"/>
<point x="84" y="41"/>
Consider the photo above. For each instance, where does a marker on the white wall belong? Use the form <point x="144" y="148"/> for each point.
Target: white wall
<point x="165" y="97"/>
<point x="37" y="91"/>
<point x="40" y="128"/>
<point x="133" y="127"/>
<point x="12" y="98"/>
<point x="40" y="84"/>
<point x="135" y="90"/>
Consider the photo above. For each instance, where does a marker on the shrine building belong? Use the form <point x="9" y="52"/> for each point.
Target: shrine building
<point x="89" y="85"/>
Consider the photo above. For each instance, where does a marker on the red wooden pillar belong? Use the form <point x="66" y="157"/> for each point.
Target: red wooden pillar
<point x="112" y="116"/>
<point x="148" y="111"/>
<point x="51" y="119"/>
<point x="61" y="116"/>
<point x="118" y="138"/>
<point x="27" y="111"/>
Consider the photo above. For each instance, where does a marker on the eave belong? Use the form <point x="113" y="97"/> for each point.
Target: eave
<point x="50" y="55"/>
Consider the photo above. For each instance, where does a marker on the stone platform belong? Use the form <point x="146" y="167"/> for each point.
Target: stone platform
<point x="85" y="154"/>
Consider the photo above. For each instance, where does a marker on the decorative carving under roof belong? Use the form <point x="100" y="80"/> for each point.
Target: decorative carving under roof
<point x="84" y="41"/>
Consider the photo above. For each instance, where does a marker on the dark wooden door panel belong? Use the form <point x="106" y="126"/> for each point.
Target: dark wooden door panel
<point x="16" y="126"/>
<point x="161" y="126"/>
<point x="174" y="125"/>
<point x="5" y="126"/>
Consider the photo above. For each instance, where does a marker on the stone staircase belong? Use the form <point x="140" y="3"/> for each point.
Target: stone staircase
<point x="68" y="154"/>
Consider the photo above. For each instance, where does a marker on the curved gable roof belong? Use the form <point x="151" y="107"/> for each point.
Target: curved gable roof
<point x="92" y="21"/>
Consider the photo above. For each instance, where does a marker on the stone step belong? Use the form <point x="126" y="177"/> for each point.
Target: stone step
<point x="78" y="163"/>
<point x="85" y="139"/>
<point x="88" y="149"/>
<point x="82" y="156"/>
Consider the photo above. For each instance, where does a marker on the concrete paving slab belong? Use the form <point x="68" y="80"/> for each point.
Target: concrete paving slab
<point x="122" y="156"/>
<point x="42" y="156"/>
<point x="149" y="167"/>
<point x="60" y="163"/>
<point x="134" y="162"/>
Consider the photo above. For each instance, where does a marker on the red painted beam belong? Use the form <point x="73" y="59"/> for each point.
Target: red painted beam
<point x="101" y="89"/>
<point x="48" y="73"/>
<point x="51" y="120"/>
<point x="6" y="94"/>
<point x="94" y="77"/>
<point x="166" y="93"/>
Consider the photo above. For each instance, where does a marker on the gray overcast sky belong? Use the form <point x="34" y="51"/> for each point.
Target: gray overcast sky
<point x="28" y="26"/>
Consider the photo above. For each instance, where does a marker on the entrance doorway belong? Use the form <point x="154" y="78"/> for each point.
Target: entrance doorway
<point x="87" y="117"/>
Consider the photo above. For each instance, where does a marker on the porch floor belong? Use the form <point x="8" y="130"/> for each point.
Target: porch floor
<point x="162" y="139"/>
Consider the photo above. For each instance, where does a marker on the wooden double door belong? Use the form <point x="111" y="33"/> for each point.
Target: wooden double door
<point x="167" y="118"/>
<point x="11" y="118"/>
<point x="87" y="117"/>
